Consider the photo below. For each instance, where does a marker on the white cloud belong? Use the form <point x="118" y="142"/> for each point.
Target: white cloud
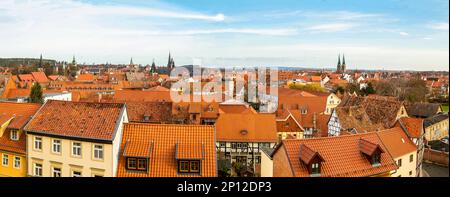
<point x="402" y="33"/>
<point x="331" y="27"/>
<point x="428" y="38"/>
<point x="440" y="26"/>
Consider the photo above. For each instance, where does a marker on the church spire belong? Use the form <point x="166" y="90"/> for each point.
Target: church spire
<point x="131" y="61"/>
<point x="339" y="64"/>
<point x="343" y="66"/>
<point x="73" y="61"/>
<point x="40" y="61"/>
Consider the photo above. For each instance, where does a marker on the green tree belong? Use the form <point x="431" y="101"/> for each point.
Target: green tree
<point x="368" y="90"/>
<point x="36" y="94"/>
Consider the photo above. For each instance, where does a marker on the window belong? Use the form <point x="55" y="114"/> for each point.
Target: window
<point x="131" y="164"/>
<point x="16" y="162"/>
<point x="14" y="135"/>
<point x="411" y="158"/>
<point x="183" y="166"/>
<point x="399" y="163"/>
<point x="142" y="164"/>
<point x="315" y="168"/>
<point x="376" y="159"/>
<point x="194" y="166"/>
<point x="37" y="169"/>
<point x="410" y="173"/>
<point x="38" y="143"/>
<point x="5" y="160"/>
<point x="76" y="174"/>
<point x="98" y="151"/>
<point x="56" y="172"/>
<point x="76" y="149"/>
<point x="56" y="148"/>
<point x="189" y="166"/>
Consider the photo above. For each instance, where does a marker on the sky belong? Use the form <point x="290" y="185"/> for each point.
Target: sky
<point x="382" y="34"/>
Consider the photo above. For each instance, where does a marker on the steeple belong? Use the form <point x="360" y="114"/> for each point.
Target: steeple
<point x="40" y="61"/>
<point x="339" y="64"/>
<point x="343" y="66"/>
<point x="170" y="63"/>
<point x="153" y="68"/>
<point x="73" y="61"/>
<point x="131" y="61"/>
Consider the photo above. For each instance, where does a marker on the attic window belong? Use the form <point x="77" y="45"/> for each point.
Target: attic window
<point x="139" y="164"/>
<point x="147" y="117"/>
<point x="304" y="111"/>
<point x="189" y="166"/>
<point x="14" y="135"/>
<point x="311" y="159"/>
<point x="244" y="132"/>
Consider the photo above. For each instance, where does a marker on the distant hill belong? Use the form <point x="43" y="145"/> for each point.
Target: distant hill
<point x="24" y="61"/>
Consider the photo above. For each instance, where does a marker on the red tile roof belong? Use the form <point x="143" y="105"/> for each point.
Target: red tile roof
<point x="168" y="143"/>
<point x="246" y="127"/>
<point x="76" y="119"/>
<point x="157" y="112"/>
<point x="397" y="142"/>
<point x="342" y="156"/>
<point x="40" y="77"/>
<point x="19" y="114"/>
<point x="85" y="77"/>
<point x="413" y="126"/>
<point x="26" y="77"/>
<point x="138" y="95"/>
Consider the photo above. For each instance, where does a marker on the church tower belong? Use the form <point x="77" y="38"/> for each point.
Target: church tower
<point x="153" y="68"/>
<point x="338" y="70"/>
<point x="40" y="62"/>
<point x="170" y="62"/>
<point x="343" y="67"/>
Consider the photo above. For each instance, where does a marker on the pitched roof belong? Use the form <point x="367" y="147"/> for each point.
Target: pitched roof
<point x="26" y="77"/>
<point x="295" y="99"/>
<point x="139" y="95"/>
<point x="18" y="114"/>
<point x="40" y="77"/>
<point x="157" y="112"/>
<point x="168" y="143"/>
<point x="85" y="77"/>
<point x="76" y="119"/>
<point x="355" y="117"/>
<point x="380" y="109"/>
<point x="342" y="156"/>
<point x="246" y="127"/>
<point x="413" y="126"/>
<point x="422" y="109"/>
<point x="435" y="119"/>
<point x="397" y="142"/>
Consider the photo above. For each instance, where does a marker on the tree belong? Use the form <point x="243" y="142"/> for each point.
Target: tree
<point x="368" y="90"/>
<point x="36" y="94"/>
<point x="313" y="87"/>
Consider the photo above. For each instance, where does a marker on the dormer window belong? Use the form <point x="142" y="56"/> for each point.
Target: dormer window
<point x="188" y="157"/>
<point x="371" y="151"/>
<point x="304" y="111"/>
<point x="315" y="168"/>
<point x="14" y="135"/>
<point x="311" y="159"/>
<point x="137" y="155"/>
<point x="186" y="166"/>
<point x="139" y="164"/>
<point x="147" y="117"/>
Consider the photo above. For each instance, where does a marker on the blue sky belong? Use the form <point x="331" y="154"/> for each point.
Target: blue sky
<point x="384" y="34"/>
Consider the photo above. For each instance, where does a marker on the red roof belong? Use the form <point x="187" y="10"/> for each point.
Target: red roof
<point x="76" y="119"/>
<point x="40" y="77"/>
<point x="413" y="126"/>
<point x="164" y="144"/>
<point x="342" y="156"/>
<point x="26" y="77"/>
<point x="246" y="127"/>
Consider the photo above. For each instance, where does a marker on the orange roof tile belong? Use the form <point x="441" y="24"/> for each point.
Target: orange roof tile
<point x="20" y="113"/>
<point x="413" y="126"/>
<point x="246" y="127"/>
<point x="157" y="112"/>
<point x="138" y="95"/>
<point x="40" y="77"/>
<point x="75" y="119"/>
<point x="397" y="142"/>
<point x="342" y="156"/>
<point x="189" y="151"/>
<point x="190" y="140"/>
<point x="85" y="77"/>
<point x="138" y="148"/>
<point x="26" y="77"/>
